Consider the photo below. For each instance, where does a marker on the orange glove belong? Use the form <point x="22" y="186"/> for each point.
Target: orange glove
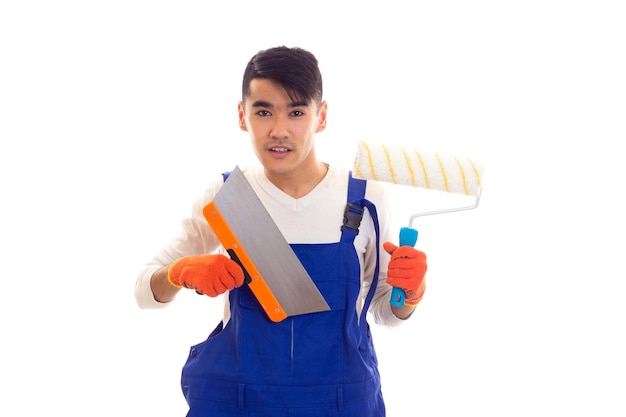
<point x="406" y="270"/>
<point x="207" y="274"/>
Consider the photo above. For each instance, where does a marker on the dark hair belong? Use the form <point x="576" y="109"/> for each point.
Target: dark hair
<point x="295" y="69"/>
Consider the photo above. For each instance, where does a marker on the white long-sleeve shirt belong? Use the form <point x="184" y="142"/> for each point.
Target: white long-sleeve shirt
<point x="315" y="218"/>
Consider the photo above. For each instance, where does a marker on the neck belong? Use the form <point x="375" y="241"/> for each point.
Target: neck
<point x="297" y="185"/>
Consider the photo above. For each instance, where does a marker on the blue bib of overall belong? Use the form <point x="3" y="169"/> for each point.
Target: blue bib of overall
<point x="320" y="364"/>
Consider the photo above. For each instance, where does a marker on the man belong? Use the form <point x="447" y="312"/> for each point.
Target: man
<point x="314" y="364"/>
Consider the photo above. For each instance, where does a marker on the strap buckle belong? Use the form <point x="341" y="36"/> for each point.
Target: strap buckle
<point x="352" y="216"/>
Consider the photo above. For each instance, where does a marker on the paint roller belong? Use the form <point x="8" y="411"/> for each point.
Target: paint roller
<point x="429" y="170"/>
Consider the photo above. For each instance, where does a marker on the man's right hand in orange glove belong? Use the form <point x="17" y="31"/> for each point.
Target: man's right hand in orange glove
<point x="211" y="274"/>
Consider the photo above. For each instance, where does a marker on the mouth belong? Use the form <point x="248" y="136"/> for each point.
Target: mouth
<point x="279" y="151"/>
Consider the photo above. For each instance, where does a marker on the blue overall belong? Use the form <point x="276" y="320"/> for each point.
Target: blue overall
<point x="320" y="364"/>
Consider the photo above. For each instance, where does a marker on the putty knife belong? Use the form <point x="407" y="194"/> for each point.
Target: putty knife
<point x="273" y="272"/>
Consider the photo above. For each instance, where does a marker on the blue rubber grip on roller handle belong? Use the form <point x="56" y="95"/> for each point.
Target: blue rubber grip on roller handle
<point x="408" y="237"/>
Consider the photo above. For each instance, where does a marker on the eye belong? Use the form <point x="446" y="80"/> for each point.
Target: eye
<point x="263" y="113"/>
<point x="297" y="113"/>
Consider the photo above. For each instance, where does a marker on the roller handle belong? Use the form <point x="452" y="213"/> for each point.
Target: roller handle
<point x="408" y="237"/>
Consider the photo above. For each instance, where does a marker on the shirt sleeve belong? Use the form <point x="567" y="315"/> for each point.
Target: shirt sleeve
<point x="195" y="237"/>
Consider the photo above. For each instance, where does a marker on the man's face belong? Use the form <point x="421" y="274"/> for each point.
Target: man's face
<point x="282" y="131"/>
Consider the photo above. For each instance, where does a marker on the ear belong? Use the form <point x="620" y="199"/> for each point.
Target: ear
<point x="242" y="117"/>
<point x="322" y="117"/>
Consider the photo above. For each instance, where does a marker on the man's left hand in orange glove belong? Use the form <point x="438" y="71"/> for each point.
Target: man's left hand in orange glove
<point x="406" y="270"/>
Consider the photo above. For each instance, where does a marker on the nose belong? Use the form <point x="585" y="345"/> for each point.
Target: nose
<point x="279" y="128"/>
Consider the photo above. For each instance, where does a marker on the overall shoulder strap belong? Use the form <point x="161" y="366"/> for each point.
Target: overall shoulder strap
<point x="356" y="188"/>
<point x="353" y="212"/>
<point x="353" y="215"/>
<point x="370" y="294"/>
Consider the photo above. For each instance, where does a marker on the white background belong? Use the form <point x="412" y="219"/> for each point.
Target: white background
<point x="114" y="115"/>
